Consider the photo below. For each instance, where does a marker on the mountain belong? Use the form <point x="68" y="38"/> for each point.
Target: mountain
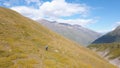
<point x="76" y="33"/>
<point x="113" y="36"/>
<point x="108" y="46"/>
<point x="23" y="45"/>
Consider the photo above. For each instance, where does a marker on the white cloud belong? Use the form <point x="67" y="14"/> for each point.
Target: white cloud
<point x="58" y="8"/>
<point x="27" y="11"/>
<point x="55" y="10"/>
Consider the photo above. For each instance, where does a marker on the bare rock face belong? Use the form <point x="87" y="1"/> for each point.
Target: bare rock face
<point x="116" y="62"/>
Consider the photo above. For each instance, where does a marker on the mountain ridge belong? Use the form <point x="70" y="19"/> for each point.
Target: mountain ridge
<point x="113" y="36"/>
<point x="76" y="33"/>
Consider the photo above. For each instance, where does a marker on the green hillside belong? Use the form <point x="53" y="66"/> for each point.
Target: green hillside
<point x="23" y="42"/>
<point x="109" y="46"/>
<point x="112" y="48"/>
<point x="110" y="51"/>
<point x="109" y="42"/>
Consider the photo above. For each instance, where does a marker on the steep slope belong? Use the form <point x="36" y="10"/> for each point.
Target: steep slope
<point x="108" y="46"/>
<point x="76" y="33"/>
<point x="23" y="42"/>
<point x="113" y="36"/>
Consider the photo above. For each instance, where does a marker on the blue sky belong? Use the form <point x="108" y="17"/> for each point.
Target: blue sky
<point x="99" y="15"/>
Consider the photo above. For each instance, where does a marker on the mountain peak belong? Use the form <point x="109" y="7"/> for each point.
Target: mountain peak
<point x="113" y="36"/>
<point x="117" y="28"/>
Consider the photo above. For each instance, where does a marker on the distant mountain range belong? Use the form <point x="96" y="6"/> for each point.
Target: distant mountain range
<point x="76" y="33"/>
<point x="108" y="46"/>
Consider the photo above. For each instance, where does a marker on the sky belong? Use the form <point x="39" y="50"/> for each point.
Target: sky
<point x="99" y="15"/>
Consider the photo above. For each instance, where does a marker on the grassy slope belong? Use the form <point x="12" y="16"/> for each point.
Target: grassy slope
<point x="109" y="42"/>
<point x="112" y="48"/>
<point x="22" y="45"/>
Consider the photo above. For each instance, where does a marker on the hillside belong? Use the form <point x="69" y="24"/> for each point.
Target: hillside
<point x="108" y="46"/>
<point x="23" y="42"/>
<point x="76" y="33"/>
<point x="113" y="36"/>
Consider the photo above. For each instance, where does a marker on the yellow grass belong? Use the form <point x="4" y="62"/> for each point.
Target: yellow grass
<point x="23" y="41"/>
